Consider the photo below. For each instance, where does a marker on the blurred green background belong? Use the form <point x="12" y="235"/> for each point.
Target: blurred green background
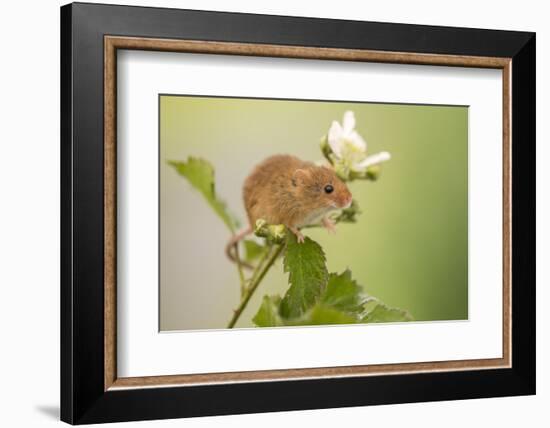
<point x="409" y="247"/>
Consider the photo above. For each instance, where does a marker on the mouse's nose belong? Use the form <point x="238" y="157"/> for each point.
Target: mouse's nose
<point x="347" y="202"/>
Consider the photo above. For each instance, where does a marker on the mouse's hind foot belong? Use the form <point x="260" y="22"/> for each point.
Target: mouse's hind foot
<point x="299" y="236"/>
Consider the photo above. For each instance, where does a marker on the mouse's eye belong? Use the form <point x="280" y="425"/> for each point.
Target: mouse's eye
<point x="329" y="188"/>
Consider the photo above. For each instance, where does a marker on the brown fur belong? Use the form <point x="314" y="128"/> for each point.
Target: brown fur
<point x="286" y="190"/>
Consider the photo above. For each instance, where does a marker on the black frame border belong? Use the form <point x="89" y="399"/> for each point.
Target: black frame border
<point x="83" y="399"/>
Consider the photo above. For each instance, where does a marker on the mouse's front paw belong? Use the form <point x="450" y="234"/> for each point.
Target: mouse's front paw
<point x="329" y="225"/>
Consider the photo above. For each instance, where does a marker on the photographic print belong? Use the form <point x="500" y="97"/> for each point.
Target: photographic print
<point x="325" y="201"/>
<point x="285" y="213"/>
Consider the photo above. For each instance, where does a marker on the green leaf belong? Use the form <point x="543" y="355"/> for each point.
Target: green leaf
<point x="200" y="174"/>
<point x="383" y="313"/>
<point x="342" y="301"/>
<point x="349" y="215"/>
<point x="305" y="264"/>
<point x="268" y="314"/>
<point x="343" y="293"/>
<point x="325" y="315"/>
<point x="252" y="250"/>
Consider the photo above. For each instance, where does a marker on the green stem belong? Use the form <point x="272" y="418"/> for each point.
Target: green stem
<point x="256" y="280"/>
<point x="240" y="269"/>
<point x="261" y="262"/>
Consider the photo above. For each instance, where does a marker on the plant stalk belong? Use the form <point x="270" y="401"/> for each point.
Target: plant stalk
<point x="261" y="262"/>
<point x="256" y="280"/>
<point x="240" y="269"/>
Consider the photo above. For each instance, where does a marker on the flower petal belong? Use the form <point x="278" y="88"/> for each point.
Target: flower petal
<point x="335" y="138"/>
<point x="357" y="141"/>
<point x="349" y="122"/>
<point x="373" y="160"/>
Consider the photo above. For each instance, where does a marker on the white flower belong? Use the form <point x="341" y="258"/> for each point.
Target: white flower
<point x="349" y="148"/>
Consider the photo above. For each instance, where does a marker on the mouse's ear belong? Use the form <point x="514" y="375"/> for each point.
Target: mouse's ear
<point x="300" y="176"/>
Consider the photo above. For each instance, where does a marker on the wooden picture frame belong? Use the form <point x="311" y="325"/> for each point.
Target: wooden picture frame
<point x="91" y="390"/>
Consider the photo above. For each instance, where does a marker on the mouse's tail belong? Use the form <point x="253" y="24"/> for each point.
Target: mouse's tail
<point x="232" y="245"/>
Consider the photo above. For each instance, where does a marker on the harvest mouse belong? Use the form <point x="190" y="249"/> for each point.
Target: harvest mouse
<point x="286" y="190"/>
